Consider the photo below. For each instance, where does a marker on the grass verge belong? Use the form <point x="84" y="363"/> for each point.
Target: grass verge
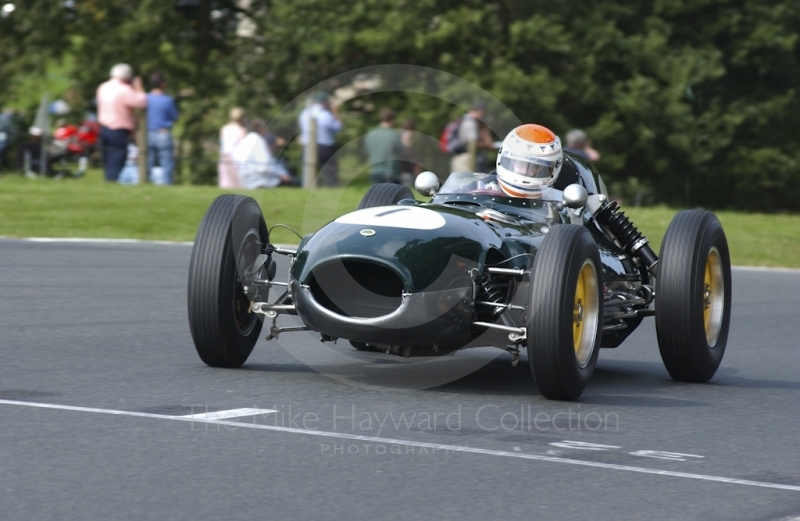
<point x="89" y="207"/>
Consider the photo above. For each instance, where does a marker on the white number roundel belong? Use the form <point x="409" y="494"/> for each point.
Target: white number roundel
<point x="409" y="217"/>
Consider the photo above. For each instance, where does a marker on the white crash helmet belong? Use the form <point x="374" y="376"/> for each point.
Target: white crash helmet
<point x="529" y="161"/>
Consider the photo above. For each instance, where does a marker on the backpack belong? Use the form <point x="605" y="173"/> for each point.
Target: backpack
<point x="449" y="142"/>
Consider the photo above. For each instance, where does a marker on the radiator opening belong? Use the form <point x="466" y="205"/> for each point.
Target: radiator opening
<point x="355" y="288"/>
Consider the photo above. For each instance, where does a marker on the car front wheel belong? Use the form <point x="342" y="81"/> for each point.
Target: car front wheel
<point x="565" y="312"/>
<point x="230" y="238"/>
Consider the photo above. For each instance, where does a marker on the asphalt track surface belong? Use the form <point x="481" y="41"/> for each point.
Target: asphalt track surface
<point x="98" y="371"/>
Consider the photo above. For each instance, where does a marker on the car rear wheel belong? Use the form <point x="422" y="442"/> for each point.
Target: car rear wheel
<point x="230" y="238"/>
<point x="565" y="312"/>
<point x="385" y="194"/>
<point x="693" y="296"/>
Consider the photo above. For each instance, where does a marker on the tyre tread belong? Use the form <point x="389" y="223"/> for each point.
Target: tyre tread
<point x="563" y="248"/>
<point x="209" y="260"/>
<point x="385" y="194"/>
<point x="679" y="328"/>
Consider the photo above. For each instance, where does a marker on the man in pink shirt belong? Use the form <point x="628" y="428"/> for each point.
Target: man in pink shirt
<point x="116" y="100"/>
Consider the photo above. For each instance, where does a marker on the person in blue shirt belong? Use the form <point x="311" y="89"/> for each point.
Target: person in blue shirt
<point x="161" y="116"/>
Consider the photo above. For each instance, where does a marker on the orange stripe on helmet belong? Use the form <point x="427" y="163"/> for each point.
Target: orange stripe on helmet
<point x="515" y="193"/>
<point x="535" y="133"/>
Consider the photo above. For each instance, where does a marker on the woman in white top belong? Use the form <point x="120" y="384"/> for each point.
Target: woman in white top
<point x="229" y="136"/>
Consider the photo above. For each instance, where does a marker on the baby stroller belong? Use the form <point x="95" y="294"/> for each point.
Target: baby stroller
<point x="73" y="143"/>
<point x="37" y="158"/>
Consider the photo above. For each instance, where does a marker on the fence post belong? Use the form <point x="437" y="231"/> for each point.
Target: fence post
<point x="43" y="154"/>
<point x="311" y="155"/>
<point x="141" y="137"/>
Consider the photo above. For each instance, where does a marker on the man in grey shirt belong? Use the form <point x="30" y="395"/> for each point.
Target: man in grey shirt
<point x="384" y="148"/>
<point x="578" y="143"/>
<point x="469" y="130"/>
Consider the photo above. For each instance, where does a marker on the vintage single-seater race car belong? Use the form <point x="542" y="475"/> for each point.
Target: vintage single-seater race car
<point x="559" y="276"/>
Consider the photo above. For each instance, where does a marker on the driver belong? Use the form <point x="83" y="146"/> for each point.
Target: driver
<point x="529" y="161"/>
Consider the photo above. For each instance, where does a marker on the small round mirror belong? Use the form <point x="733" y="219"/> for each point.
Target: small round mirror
<point x="575" y="196"/>
<point x="427" y="183"/>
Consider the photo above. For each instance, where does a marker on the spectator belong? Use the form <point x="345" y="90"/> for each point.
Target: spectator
<point x="116" y="100"/>
<point x="256" y="164"/>
<point x="579" y="144"/>
<point x="29" y="155"/>
<point x="229" y="136"/>
<point x="161" y="116"/>
<point x="275" y="144"/>
<point x="7" y="134"/>
<point x="469" y="130"/>
<point x="384" y="148"/>
<point x="410" y="166"/>
<point x="59" y="108"/>
<point x="130" y="173"/>
<point x="328" y="125"/>
<point x="482" y="160"/>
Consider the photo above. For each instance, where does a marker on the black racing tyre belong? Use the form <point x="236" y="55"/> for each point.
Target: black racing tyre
<point x="693" y="296"/>
<point x="231" y="236"/>
<point x="385" y="194"/>
<point x="565" y="312"/>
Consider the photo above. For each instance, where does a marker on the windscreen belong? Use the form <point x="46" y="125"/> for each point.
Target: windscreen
<point x="482" y="184"/>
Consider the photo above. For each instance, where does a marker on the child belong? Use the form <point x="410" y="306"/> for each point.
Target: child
<point x="130" y="172"/>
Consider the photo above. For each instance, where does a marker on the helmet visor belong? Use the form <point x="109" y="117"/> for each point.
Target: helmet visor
<point x="526" y="168"/>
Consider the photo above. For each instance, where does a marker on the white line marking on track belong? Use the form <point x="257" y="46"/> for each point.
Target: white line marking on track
<point x="766" y="269"/>
<point x="231" y="413"/>
<point x="434" y="446"/>
<point x="116" y="241"/>
<point x="672" y="456"/>
<point x="582" y="445"/>
<point x="102" y="241"/>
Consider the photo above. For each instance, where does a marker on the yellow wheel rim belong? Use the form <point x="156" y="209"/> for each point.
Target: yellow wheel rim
<point x="585" y="313"/>
<point x="713" y="296"/>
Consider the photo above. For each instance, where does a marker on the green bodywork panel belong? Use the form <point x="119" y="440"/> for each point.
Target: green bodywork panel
<point x="443" y="258"/>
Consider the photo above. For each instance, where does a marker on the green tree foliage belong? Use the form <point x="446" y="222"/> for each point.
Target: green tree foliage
<point x="691" y="101"/>
<point x="31" y="35"/>
<point x="695" y="100"/>
<point x="187" y="39"/>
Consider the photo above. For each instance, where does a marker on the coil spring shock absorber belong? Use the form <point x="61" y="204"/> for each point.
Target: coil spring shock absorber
<point x="489" y="291"/>
<point x="629" y="237"/>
